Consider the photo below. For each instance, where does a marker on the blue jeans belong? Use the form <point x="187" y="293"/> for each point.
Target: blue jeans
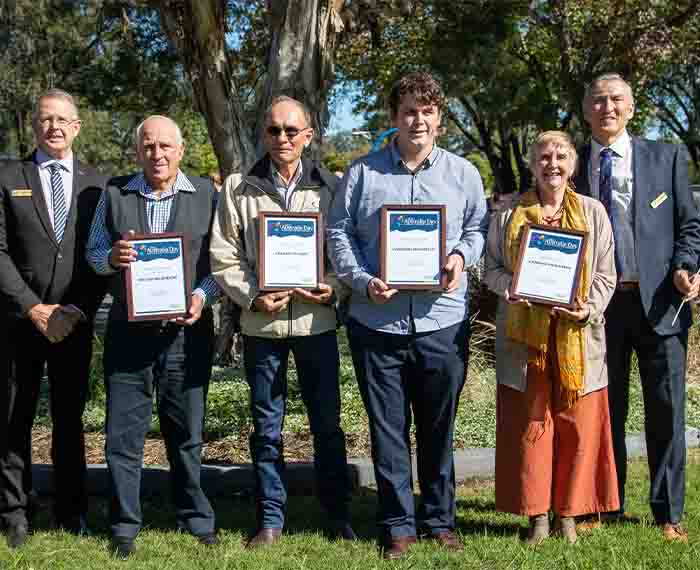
<point x="174" y="363"/>
<point x="403" y="376"/>
<point x="317" y="362"/>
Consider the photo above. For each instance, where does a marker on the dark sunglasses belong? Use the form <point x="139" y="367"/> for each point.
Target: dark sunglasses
<point x="291" y="132"/>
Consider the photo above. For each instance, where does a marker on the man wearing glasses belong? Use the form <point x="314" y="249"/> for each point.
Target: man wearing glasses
<point x="276" y="323"/>
<point x="48" y="299"/>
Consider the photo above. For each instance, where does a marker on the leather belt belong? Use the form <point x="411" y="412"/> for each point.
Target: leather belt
<point x="626" y="286"/>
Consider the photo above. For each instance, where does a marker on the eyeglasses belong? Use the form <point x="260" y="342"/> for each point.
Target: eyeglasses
<point x="61" y="122"/>
<point x="291" y="132"/>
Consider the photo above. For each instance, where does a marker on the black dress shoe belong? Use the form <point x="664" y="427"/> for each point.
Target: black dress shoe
<point x="122" y="548"/>
<point x="76" y="525"/>
<point x="208" y="539"/>
<point x="341" y="531"/>
<point x="16" y="534"/>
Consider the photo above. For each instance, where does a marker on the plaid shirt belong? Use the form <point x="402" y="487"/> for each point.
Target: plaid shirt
<point x="157" y="213"/>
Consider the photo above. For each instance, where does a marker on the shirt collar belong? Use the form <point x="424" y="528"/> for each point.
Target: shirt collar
<point x="43" y="160"/>
<point x="277" y="177"/>
<point x="139" y="184"/>
<point x="396" y="155"/>
<point x="621" y="146"/>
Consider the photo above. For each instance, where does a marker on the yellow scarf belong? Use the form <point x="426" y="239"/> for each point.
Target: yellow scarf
<point x="530" y="326"/>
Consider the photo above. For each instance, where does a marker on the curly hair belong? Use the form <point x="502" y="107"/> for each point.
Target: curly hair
<point x="423" y="86"/>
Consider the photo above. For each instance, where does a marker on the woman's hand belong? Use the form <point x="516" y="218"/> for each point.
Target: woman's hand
<point x="512" y="301"/>
<point x="579" y="314"/>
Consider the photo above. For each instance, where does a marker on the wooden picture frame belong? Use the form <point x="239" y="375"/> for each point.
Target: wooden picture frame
<point x="146" y="286"/>
<point x="412" y="270"/>
<point x="543" y="263"/>
<point x="305" y="248"/>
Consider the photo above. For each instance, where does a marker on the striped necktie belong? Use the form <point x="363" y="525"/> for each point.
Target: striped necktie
<point x="605" y="193"/>
<point x="58" y="199"/>
<point x="605" y="185"/>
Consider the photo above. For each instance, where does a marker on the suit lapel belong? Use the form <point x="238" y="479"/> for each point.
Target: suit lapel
<point x="31" y="175"/>
<point x="78" y="174"/>
<point x="581" y="178"/>
<point x="640" y="188"/>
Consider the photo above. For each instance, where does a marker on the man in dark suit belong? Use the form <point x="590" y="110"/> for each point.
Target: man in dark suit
<point x="644" y="186"/>
<point x="48" y="299"/>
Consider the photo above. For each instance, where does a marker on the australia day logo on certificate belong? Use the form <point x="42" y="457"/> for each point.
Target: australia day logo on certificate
<point x="154" y="250"/>
<point x="414" y="222"/>
<point x="558" y="243"/>
<point x="288" y="228"/>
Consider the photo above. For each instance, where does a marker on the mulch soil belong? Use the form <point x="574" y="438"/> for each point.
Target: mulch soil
<point x="223" y="451"/>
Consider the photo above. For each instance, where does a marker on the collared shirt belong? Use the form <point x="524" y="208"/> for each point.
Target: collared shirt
<point x="43" y="161"/>
<point x="283" y="189"/>
<point x="354" y="227"/>
<point x="622" y="203"/>
<point x="157" y="213"/>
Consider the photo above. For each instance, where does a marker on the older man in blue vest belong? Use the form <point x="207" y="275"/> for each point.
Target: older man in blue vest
<point x="170" y="359"/>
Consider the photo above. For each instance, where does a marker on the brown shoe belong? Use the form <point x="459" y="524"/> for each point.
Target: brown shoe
<point x="447" y="539"/>
<point x="264" y="537"/>
<point x="674" y="532"/>
<point x="397" y="547"/>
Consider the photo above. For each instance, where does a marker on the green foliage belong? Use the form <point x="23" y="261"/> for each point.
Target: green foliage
<point x="339" y="150"/>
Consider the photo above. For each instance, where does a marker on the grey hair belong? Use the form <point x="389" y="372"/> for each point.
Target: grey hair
<point x="55" y="94"/>
<point x="606" y="77"/>
<point x="139" y="130"/>
<point x="285" y="99"/>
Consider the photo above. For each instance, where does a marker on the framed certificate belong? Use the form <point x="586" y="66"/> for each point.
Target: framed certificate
<point x="549" y="265"/>
<point x="412" y="246"/>
<point x="290" y="250"/>
<point x="158" y="281"/>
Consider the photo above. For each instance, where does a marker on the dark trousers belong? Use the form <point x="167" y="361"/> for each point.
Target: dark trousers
<point x="401" y="376"/>
<point x="143" y="359"/>
<point x="662" y="361"/>
<point x="317" y="363"/>
<point x="25" y="353"/>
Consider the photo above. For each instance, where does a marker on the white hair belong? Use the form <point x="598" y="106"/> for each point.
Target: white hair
<point x="606" y="77"/>
<point x="139" y="130"/>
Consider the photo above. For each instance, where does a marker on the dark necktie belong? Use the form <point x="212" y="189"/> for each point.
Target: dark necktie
<point x="58" y="199"/>
<point x="605" y="184"/>
<point x="605" y="193"/>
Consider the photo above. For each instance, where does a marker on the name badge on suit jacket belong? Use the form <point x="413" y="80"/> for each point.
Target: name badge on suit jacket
<point x="660" y="199"/>
<point x="22" y="193"/>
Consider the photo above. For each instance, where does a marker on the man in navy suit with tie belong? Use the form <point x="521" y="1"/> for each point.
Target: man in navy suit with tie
<point x="644" y="186"/>
<point x="48" y="299"/>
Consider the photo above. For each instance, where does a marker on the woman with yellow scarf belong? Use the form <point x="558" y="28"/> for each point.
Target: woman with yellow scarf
<point x="553" y="440"/>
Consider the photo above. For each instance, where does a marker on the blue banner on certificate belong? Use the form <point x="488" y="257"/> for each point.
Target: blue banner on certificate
<point x="157" y="282"/>
<point x="549" y="265"/>
<point x="412" y="246"/>
<point x="291" y="250"/>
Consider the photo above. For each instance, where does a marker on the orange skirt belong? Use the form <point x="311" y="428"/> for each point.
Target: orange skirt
<point x="550" y="457"/>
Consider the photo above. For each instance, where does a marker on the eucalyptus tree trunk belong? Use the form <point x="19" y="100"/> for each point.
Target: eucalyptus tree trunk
<point x="299" y="64"/>
<point x="301" y="54"/>
<point x="197" y="28"/>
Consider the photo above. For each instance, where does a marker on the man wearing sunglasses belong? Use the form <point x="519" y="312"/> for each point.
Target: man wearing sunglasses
<point x="276" y="323"/>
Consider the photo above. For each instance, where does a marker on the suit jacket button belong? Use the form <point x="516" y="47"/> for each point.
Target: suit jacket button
<point x="60" y="256"/>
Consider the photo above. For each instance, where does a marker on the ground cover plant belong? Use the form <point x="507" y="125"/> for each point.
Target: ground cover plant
<point x="227" y="425"/>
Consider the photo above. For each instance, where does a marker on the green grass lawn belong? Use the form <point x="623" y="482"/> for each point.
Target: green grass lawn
<point x="491" y="540"/>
